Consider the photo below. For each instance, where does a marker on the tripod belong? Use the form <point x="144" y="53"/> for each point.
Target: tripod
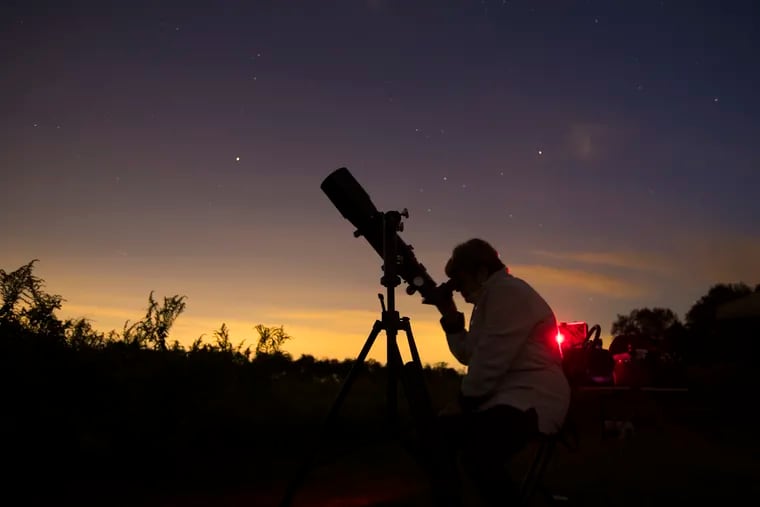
<point x="391" y="322"/>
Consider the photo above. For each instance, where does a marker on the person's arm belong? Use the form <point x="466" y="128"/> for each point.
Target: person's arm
<point x="507" y="325"/>
<point x="452" y="323"/>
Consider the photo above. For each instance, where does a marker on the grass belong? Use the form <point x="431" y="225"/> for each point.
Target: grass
<point x="665" y="462"/>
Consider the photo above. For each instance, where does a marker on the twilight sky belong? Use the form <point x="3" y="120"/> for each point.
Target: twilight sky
<point x="609" y="150"/>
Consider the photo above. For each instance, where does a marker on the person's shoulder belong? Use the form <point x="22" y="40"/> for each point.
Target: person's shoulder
<point x="511" y="282"/>
<point x="514" y="287"/>
<point x="509" y="286"/>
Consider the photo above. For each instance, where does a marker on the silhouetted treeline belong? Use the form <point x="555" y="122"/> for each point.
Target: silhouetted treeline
<point x="83" y="408"/>
<point x="707" y="336"/>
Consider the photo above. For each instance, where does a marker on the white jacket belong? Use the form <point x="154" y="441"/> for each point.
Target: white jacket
<point x="511" y="354"/>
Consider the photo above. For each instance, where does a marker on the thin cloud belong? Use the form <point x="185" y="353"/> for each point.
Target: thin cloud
<point x="637" y="261"/>
<point x="99" y="314"/>
<point x="580" y="280"/>
<point x="186" y="328"/>
<point x="593" y="142"/>
<point x="720" y="258"/>
<point x="317" y="315"/>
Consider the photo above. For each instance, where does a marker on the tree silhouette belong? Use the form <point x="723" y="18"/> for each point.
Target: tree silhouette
<point x="651" y="323"/>
<point x="701" y="316"/>
<point x="80" y="334"/>
<point x="13" y="285"/>
<point x="154" y="327"/>
<point x="224" y="345"/>
<point x="709" y="343"/>
<point x="222" y="336"/>
<point x="25" y="301"/>
<point x="271" y="340"/>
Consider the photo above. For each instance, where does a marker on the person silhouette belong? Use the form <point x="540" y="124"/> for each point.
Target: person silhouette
<point x="514" y="386"/>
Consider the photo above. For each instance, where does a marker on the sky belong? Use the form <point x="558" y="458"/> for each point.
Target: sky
<point x="608" y="150"/>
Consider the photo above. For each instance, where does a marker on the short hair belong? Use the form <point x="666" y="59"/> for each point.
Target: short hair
<point x="471" y="255"/>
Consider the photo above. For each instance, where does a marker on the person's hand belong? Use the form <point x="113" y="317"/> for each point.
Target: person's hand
<point x="448" y="306"/>
<point x="452" y="322"/>
<point x="443" y="298"/>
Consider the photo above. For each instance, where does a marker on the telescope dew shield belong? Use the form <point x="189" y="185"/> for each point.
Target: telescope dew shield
<point x="353" y="202"/>
<point x="349" y="197"/>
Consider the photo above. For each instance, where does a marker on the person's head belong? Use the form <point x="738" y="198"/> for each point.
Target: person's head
<point x="470" y="265"/>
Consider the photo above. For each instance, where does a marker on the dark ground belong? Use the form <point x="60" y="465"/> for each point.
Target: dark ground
<point x="677" y="455"/>
<point x="125" y="426"/>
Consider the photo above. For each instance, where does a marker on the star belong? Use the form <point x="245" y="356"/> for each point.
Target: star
<point x="540" y="152"/>
<point x="715" y="100"/>
<point x="237" y="159"/>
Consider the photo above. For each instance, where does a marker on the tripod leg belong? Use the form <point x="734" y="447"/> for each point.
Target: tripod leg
<point x="407" y="327"/>
<point x="415" y="388"/>
<point x="393" y="368"/>
<point x="301" y="473"/>
<point x="437" y="461"/>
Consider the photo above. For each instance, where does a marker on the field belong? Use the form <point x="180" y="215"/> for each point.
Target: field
<point x="675" y="455"/>
<point x="125" y="426"/>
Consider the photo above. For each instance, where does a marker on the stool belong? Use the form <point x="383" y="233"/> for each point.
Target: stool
<point x="547" y="443"/>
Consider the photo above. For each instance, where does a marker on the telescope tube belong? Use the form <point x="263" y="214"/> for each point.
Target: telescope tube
<point x="353" y="202"/>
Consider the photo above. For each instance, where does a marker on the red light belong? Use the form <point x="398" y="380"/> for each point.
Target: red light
<point x="560" y="338"/>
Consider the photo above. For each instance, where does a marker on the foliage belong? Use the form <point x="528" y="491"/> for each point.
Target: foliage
<point x="271" y="339"/>
<point x="701" y="316"/>
<point x="653" y="323"/>
<point x="702" y="339"/>
<point x="25" y="301"/>
<point x="73" y="394"/>
<point x="154" y="328"/>
<point x="105" y="401"/>
<point x="709" y="339"/>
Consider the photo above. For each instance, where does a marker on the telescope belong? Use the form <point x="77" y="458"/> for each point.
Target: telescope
<point x="353" y="202"/>
<point x="381" y="230"/>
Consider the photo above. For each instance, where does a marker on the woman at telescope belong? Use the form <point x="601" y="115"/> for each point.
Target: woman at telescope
<point x="514" y="386"/>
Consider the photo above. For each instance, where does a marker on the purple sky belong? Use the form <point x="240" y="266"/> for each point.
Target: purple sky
<point x="607" y="149"/>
